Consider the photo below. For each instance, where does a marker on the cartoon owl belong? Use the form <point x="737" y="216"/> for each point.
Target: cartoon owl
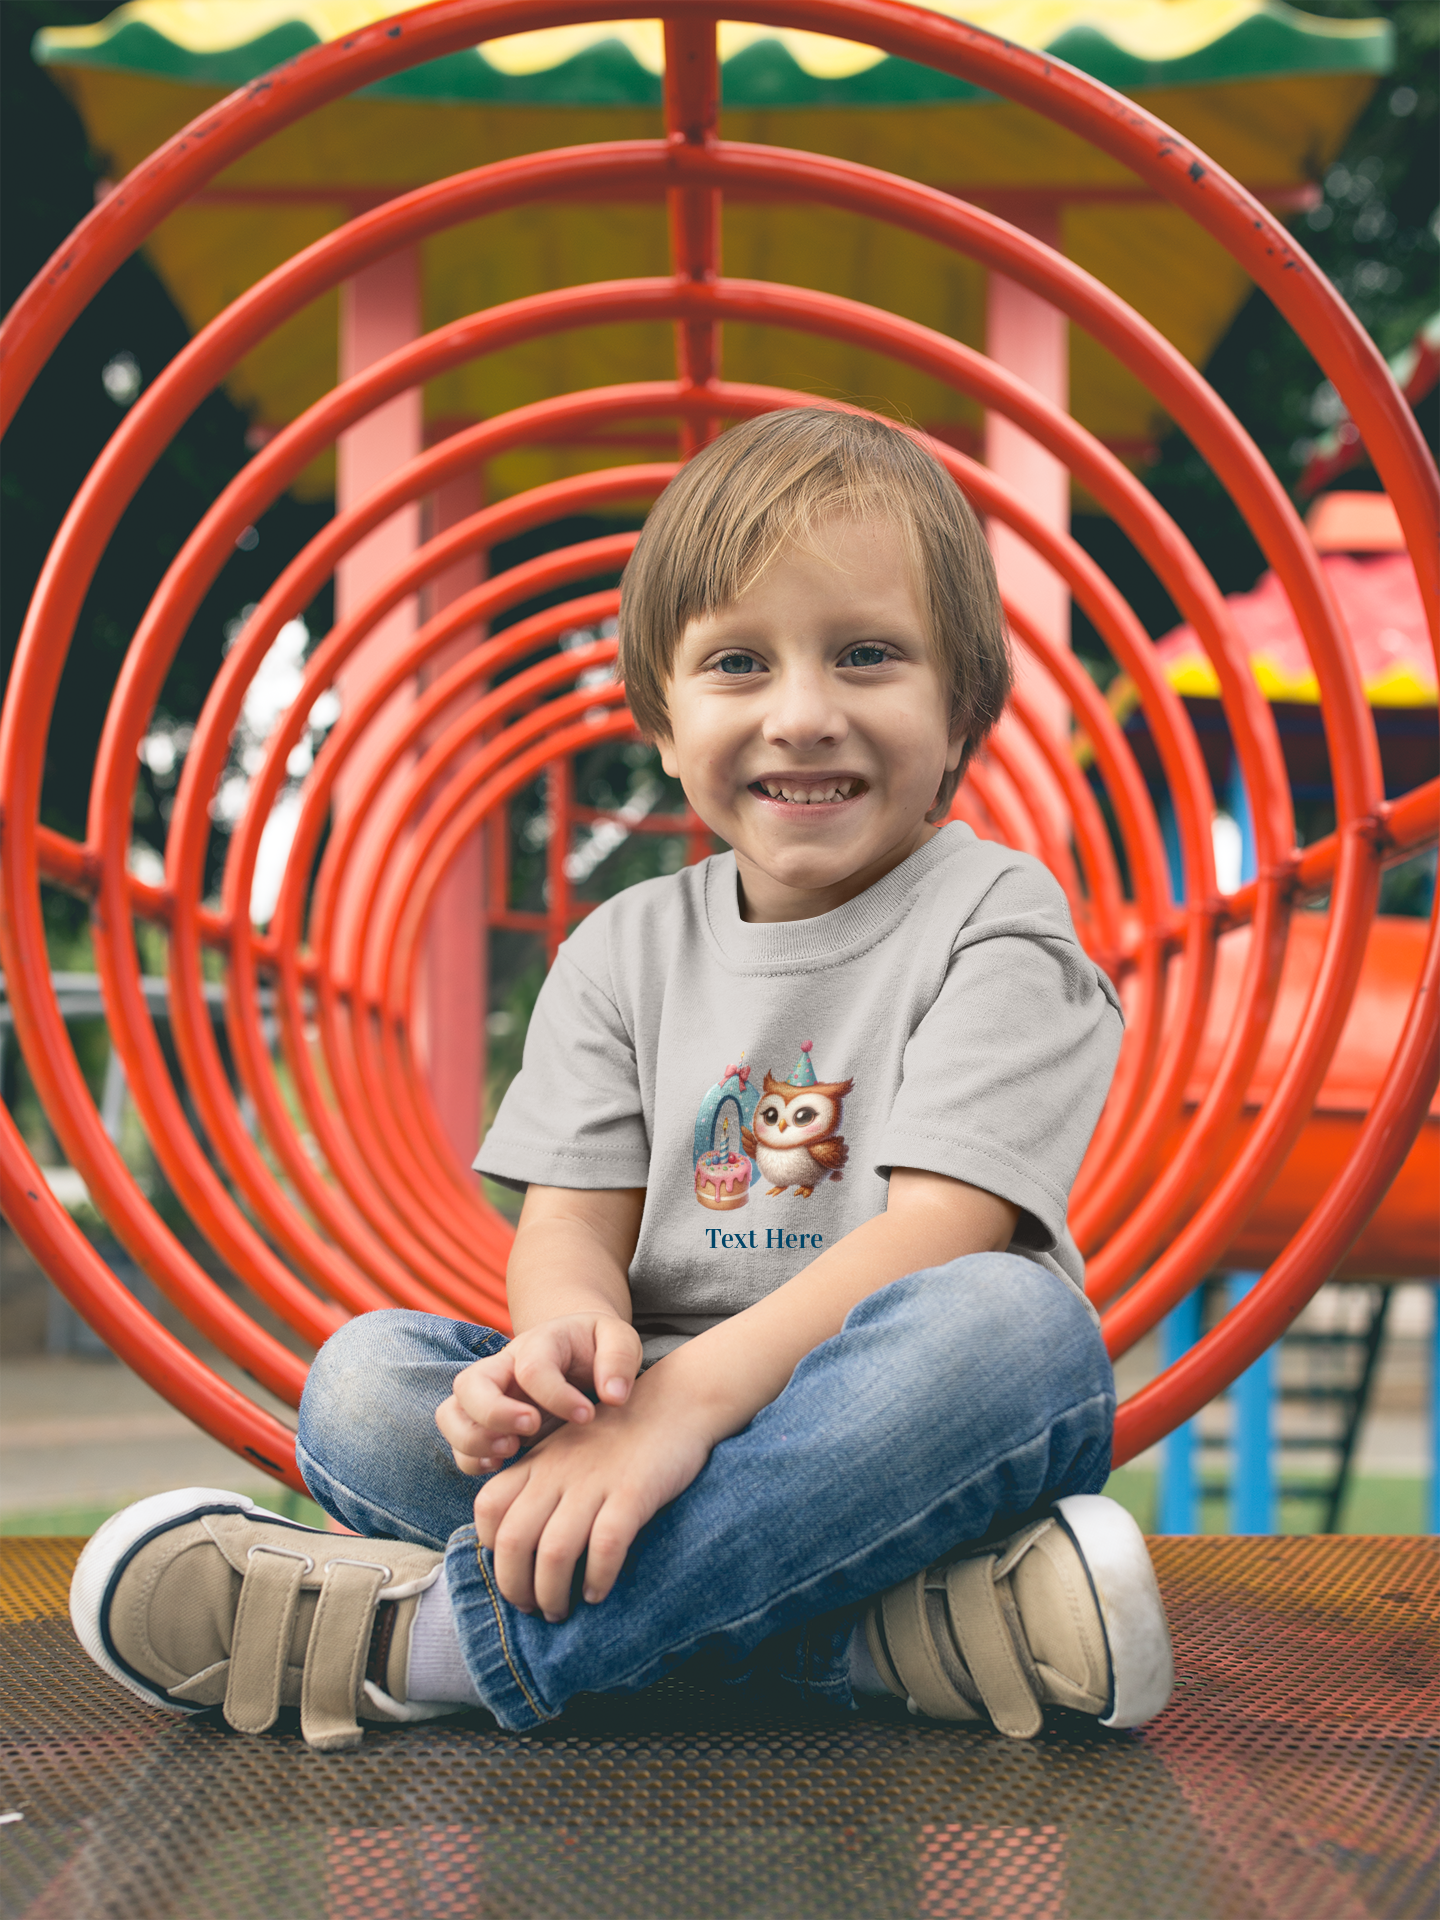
<point x="795" y="1135"/>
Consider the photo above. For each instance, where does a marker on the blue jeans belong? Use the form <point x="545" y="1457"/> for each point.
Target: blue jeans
<point x="950" y="1405"/>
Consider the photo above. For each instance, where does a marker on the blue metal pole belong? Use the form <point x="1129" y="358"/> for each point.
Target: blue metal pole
<point x="1253" y="1503"/>
<point x="1180" y="1328"/>
<point x="1170" y="839"/>
<point x="1179" y="1331"/>
<point x="1237" y="805"/>
<point x="1252" y="1486"/>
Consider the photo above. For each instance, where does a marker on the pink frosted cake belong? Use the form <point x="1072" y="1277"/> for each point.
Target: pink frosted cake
<point x="722" y="1180"/>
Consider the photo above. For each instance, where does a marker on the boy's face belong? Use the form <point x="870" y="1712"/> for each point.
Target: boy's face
<point x="809" y="724"/>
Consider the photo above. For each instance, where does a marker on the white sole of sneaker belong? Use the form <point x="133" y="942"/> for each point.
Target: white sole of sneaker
<point x="1142" y="1664"/>
<point x="112" y="1543"/>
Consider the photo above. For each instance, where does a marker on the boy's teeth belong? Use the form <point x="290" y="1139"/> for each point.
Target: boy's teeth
<point x="809" y="796"/>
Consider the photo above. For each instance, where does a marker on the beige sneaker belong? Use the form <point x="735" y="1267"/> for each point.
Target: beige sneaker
<point x="200" y="1598"/>
<point x="1064" y="1613"/>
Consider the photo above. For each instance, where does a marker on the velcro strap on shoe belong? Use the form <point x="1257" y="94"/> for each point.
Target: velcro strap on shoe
<point x="916" y="1658"/>
<point x="335" y="1658"/>
<point x="260" y="1637"/>
<point x="987" y="1646"/>
<point x="1019" y="1544"/>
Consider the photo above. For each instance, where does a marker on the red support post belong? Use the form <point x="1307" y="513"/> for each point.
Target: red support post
<point x="457" y="953"/>
<point x="559" y="795"/>
<point x="692" y="112"/>
<point x="1030" y="337"/>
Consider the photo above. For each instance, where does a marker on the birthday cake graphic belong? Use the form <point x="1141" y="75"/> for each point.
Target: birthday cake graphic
<point x="723" y="1169"/>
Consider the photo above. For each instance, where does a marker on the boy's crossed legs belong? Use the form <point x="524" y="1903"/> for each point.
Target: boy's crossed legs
<point x="955" y="1405"/>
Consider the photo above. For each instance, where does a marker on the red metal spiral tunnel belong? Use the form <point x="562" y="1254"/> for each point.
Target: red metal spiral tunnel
<point x="324" y="1179"/>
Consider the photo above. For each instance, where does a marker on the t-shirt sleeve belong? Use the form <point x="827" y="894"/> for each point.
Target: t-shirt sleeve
<point x="572" y="1116"/>
<point x="1005" y="1074"/>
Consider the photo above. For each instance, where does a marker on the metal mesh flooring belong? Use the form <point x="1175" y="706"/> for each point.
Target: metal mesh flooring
<point x="1296" y="1772"/>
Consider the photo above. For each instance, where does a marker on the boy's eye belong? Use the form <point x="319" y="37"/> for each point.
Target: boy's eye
<point x="736" y="663"/>
<point x="866" y="656"/>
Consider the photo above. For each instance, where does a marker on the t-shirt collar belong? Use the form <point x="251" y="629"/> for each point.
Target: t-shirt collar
<point x="764" y="945"/>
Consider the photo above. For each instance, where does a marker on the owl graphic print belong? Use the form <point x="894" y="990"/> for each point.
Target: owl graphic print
<point x="787" y="1132"/>
<point x="795" y="1135"/>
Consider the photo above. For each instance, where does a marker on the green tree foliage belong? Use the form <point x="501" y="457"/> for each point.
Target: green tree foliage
<point x="1375" y="235"/>
<point x="126" y="336"/>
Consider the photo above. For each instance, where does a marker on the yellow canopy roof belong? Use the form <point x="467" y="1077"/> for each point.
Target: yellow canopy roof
<point x="1269" y="92"/>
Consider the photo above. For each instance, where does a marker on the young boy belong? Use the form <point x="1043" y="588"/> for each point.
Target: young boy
<point x="803" y="1381"/>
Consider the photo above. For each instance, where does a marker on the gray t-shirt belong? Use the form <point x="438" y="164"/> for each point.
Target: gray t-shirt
<point x="761" y="1080"/>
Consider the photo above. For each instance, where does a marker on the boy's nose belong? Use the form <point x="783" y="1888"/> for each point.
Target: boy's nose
<point x="804" y="713"/>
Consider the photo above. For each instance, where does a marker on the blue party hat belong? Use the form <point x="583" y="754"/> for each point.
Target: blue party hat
<point x="802" y="1074"/>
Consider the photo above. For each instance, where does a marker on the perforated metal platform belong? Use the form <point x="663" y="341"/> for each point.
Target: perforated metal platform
<point x="1296" y="1772"/>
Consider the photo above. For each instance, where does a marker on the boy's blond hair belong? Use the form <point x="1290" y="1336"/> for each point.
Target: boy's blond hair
<point x="725" y="516"/>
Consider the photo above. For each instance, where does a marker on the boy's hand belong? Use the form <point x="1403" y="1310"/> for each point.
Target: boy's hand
<point x="588" y="1489"/>
<point x="537" y="1383"/>
<point x="588" y="1493"/>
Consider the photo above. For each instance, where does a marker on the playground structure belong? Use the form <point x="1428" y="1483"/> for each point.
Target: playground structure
<point x="346" y="1193"/>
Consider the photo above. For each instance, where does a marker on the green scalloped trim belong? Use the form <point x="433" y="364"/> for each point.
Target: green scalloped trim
<point x="135" y="47"/>
<point x="1268" y="45"/>
<point x="604" y="75"/>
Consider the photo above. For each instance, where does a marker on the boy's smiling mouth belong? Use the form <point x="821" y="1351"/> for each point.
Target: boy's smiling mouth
<point x="809" y="790"/>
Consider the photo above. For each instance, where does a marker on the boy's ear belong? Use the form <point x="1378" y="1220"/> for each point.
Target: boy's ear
<point x="665" y="746"/>
<point x="955" y="751"/>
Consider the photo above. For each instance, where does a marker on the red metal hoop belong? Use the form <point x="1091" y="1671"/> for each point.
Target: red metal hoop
<point x="390" y="1218"/>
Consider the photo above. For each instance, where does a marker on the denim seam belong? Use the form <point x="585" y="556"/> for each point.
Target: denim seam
<point x="303" y="1458"/>
<point x="538" y="1712"/>
<point x="822" y="1572"/>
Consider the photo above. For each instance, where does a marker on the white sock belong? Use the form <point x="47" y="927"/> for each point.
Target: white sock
<point x="864" y="1674"/>
<point x="437" y="1666"/>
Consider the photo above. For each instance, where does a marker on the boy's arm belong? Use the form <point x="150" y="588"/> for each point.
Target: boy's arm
<point x="570" y="1308"/>
<point x="590" y="1491"/>
<point x="572" y="1254"/>
<point x="735" y="1369"/>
